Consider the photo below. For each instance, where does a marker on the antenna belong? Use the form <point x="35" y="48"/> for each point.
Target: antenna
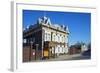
<point x="44" y="13"/>
<point x="62" y="21"/>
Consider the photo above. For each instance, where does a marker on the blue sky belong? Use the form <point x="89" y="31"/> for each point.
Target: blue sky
<point x="79" y="23"/>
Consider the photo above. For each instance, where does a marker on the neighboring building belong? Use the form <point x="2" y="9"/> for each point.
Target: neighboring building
<point x="84" y="47"/>
<point x="74" y="50"/>
<point x="46" y="39"/>
<point x="78" y="48"/>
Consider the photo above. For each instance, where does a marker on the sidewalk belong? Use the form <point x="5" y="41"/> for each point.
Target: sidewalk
<point x="62" y="58"/>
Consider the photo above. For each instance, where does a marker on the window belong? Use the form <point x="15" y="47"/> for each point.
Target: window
<point x="45" y="36"/>
<point x="54" y="38"/>
<point x="58" y="49"/>
<point x="49" y="37"/>
<point x="58" y="39"/>
<point x="24" y="41"/>
<point x="33" y="39"/>
<point x="62" y="38"/>
<point x="62" y="48"/>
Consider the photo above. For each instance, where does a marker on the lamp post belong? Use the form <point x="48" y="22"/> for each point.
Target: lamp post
<point x="36" y="50"/>
<point x="31" y="44"/>
<point x="43" y="35"/>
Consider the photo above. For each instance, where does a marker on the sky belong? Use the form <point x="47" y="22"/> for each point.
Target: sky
<point x="79" y="23"/>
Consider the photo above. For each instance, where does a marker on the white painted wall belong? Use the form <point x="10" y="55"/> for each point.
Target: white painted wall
<point x="57" y="38"/>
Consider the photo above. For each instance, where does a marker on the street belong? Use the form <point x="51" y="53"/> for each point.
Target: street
<point x="65" y="58"/>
